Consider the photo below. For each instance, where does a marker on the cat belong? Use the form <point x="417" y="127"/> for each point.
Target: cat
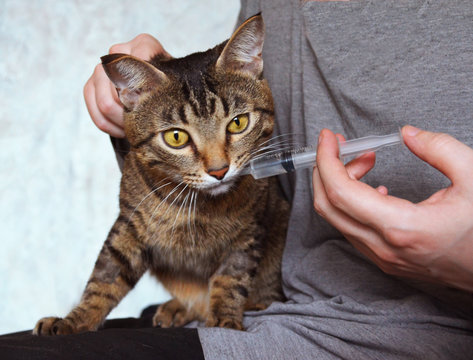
<point x="214" y="239"/>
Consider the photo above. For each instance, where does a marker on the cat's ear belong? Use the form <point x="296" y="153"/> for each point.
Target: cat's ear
<point x="133" y="77"/>
<point x="243" y="52"/>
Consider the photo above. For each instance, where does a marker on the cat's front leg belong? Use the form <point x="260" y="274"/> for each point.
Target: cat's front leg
<point x="118" y="268"/>
<point x="231" y="284"/>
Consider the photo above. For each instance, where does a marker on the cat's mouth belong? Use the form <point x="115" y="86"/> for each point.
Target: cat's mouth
<point x="222" y="186"/>
<point x="219" y="188"/>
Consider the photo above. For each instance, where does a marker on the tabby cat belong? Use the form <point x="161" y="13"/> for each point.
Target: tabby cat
<point x="213" y="238"/>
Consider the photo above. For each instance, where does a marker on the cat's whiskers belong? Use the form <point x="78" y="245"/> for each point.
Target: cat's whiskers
<point x="148" y="195"/>
<point x="243" y="161"/>
<point x="263" y="152"/>
<point x="189" y="229"/>
<point x="194" y="217"/>
<point x="192" y="226"/>
<point x="282" y="145"/>
<point x="163" y="216"/>
<point x="277" y="145"/>
<point x="279" y="136"/>
<point x="159" y="205"/>
<point x="269" y="152"/>
<point x="258" y="154"/>
<point x="182" y="206"/>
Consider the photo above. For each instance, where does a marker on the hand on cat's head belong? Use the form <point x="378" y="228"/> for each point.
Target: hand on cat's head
<point x="100" y="94"/>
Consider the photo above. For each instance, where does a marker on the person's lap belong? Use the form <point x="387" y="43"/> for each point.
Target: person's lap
<point x="128" y="338"/>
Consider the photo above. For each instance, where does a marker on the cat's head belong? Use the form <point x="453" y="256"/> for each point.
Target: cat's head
<point x="200" y="118"/>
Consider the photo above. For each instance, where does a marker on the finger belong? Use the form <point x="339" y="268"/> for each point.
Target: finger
<point x="389" y="261"/>
<point x="321" y="203"/>
<point x="365" y="239"/>
<point x="98" y="118"/>
<point x="359" y="200"/>
<point x="367" y="251"/>
<point x="121" y="48"/>
<point x="359" y="167"/>
<point x="344" y="223"/>
<point x="106" y="98"/>
<point x="146" y="46"/>
<point x="442" y="151"/>
<point x="143" y="46"/>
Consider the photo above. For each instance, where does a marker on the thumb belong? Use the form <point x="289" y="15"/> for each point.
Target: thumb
<point x="448" y="155"/>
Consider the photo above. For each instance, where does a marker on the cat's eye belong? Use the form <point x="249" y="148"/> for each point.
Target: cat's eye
<point x="176" y="138"/>
<point x="238" y="124"/>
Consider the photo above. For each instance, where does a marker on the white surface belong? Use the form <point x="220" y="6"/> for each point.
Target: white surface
<point x="58" y="175"/>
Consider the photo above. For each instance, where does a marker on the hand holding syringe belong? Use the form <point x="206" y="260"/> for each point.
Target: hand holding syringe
<point x="287" y="161"/>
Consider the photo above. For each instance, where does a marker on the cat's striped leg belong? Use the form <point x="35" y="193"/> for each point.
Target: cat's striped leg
<point x="231" y="284"/>
<point x="119" y="266"/>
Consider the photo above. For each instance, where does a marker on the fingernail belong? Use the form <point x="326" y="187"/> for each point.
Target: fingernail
<point x="411" y="130"/>
<point x="321" y="136"/>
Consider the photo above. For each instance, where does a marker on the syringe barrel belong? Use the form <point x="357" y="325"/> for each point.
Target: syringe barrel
<point x="266" y="166"/>
<point x="367" y="144"/>
<point x="305" y="159"/>
<point x="283" y="163"/>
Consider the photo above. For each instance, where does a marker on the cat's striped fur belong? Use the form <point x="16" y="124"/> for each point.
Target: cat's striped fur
<point x="213" y="238"/>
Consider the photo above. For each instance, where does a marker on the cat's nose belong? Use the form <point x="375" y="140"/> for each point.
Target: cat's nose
<point x="218" y="174"/>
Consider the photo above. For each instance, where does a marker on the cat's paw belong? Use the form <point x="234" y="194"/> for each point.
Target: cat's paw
<point x="54" y="326"/>
<point x="225" y="322"/>
<point x="172" y="314"/>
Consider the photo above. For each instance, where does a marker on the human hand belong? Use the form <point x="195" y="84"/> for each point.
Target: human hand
<point x="431" y="240"/>
<point x="100" y="94"/>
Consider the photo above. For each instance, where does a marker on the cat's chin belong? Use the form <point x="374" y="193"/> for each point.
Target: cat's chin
<point x="218" y="189"/>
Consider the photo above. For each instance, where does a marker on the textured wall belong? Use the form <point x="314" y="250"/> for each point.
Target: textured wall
<point x="58" y="176"/>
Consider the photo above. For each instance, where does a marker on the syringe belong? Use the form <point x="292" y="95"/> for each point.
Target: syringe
<point x="288" y="161"/>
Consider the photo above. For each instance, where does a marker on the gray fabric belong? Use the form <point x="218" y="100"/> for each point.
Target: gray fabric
<point x="360" y="67"/>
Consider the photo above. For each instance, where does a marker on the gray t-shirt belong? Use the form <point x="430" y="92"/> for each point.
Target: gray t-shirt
<point x="359" y="68"/>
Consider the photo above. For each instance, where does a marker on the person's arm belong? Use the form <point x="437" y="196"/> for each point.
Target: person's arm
<point x="431" y="240"/>
<point x="100" y="94"/>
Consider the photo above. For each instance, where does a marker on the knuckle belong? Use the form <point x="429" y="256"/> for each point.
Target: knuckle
<point x="387" y="269"/>
<point x="441" y="140"/>
<point x="320" y="204"/>
<point x="102" y="124"/>
<point x="118" y="48"/>
<point x="386" y="256"/>
<point x="319" y="208"/>
<point x="441" y="143"/>
<point x="403" y="232"/>
<point x="105" y="105"/>
<point x="393" y="236"/>
<point x="87" y="88"/>
<point x="389" y="260"/>
<point x="334" y="194"/>
<point x="142" y="37"/>
<point x="98" y="69"/>
<point x="401" y="238"/>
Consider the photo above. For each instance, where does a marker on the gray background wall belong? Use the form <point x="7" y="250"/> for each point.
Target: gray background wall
<point x="58" y="175"/>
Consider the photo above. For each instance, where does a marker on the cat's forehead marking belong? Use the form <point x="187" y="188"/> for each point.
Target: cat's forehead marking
<point x="225" y="106"/>
<point x="204" y="102"/>
<point x="212" y="106"/>
<point x="182" y="115"/>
